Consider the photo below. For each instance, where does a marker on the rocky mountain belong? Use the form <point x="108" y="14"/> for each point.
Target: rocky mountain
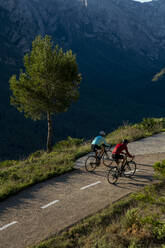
<point x="120" y="45"/>
<point x="127" y="24"/>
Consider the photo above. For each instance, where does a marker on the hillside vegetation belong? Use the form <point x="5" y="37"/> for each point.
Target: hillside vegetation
<point x="16" y="175"/>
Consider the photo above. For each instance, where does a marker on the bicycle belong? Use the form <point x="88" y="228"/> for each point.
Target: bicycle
<point x="127" y="170"/>
<point x="93" y="161"/>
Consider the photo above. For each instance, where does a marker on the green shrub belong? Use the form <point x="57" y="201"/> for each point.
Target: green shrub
<point x="148" y="123"/>
<point x="159" y="168"/>
<point x="153" y="220"/>
<point x="68" y="143"/>
<point x="159" y="231"/>
<point x="134" y="245"/>
<point x="148" y="195"/>
<point x="14" y="177"/>
<point x="131" y="218"/>
<point x="8" y="163"/>
<point x="151" y="124"/>
<point x="36" y="154"/>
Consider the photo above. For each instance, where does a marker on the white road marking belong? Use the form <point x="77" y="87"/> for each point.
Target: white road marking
<point x="90" y="185"/>
<point x="49" y="204"/>
<point x="6" y="226"/>
<point x="129" y="172"/>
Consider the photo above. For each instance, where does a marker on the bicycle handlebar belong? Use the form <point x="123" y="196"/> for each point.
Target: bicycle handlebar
<point x="108" y="148"/>
<point x="131" y="159"/>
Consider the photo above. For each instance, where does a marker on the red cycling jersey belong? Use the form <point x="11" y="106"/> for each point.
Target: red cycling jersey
<point x="121" y="147"/>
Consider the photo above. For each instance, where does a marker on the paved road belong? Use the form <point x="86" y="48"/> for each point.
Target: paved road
<point x="48" y="207"/>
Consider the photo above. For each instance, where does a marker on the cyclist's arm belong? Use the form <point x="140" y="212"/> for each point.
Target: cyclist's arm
<point x="105" y="143"/>
<point x="124" y="153"/>
<point x="127" y="152"/>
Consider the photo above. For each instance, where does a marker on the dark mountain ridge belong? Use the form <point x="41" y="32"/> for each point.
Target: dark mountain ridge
<point x="119" y="44"/>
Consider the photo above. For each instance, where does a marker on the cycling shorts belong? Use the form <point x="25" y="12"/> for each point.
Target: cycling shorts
<point x="94" y="148"/>
<point x="117" y="156"/>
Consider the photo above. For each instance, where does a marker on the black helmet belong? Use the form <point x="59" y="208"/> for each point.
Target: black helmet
<point x="125" y="141"/>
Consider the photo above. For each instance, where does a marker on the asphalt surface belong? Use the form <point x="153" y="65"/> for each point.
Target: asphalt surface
<point x="46" y="208"/>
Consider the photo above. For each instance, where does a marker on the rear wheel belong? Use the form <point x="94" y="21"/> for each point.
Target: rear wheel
<point x="112" y="175"/>
<point x="90" y="164"/>
<point x="129" y="168"/>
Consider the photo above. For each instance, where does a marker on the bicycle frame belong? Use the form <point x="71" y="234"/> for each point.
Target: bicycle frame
<point x="93" y="161"/>
<point x="106" y="149"/>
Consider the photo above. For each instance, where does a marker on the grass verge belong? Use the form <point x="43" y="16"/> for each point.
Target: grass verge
<point x="39" y="166"/>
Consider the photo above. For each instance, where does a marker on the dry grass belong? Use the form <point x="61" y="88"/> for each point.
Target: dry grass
<point x="133" y="132"/>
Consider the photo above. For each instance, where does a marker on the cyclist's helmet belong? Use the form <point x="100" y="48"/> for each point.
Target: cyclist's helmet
<point x="102" y="133"/>
<point x="125" y="141"/>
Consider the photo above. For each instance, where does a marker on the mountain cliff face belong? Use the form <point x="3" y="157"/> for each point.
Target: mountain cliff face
<point x="124" y="24"/>
<point x="120" y="44"/>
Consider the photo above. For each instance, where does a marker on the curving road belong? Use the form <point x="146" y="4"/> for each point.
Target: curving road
<point x="46" y="208"/>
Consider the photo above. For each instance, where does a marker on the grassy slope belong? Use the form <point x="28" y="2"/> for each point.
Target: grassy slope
<point x="39" y="166"/>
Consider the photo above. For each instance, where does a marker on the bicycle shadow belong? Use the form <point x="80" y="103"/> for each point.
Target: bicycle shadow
<point x="139" y="180"/>
<point x="148" y="165"/>
<point x="101" y="172"/>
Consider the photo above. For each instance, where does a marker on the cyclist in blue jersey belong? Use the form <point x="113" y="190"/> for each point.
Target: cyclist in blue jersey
<point x="99" y="143"/>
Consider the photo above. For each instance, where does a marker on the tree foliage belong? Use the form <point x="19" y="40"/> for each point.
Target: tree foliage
<point x="49" y="84"/>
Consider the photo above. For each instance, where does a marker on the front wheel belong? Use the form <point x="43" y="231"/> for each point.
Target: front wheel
<point x="112" y="175"/>
<point x="90" y="164"/>
<point x="129" y="168"/>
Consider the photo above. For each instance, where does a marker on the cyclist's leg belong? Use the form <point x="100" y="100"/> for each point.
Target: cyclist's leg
<point x="96" y="153"/>
<point x="96" y="149"/>
<point x="119" y="161"/>
<point x="102" y="150"/>
<point x="116" y="159"/>
<point x="93" y="149"/>
<point x="123" y="160"/>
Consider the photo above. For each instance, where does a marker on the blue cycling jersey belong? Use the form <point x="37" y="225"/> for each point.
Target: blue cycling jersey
<point x="99" y="140"/>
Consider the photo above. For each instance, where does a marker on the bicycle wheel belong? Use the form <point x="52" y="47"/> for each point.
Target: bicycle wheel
<point x="112" y="175"/>
<point x="129" y="168"/>
<point x="107" y="159"/>
<point x="90" y="164"/>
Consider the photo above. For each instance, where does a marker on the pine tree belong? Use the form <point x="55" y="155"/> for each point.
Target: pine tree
<point x="48" y="85"/>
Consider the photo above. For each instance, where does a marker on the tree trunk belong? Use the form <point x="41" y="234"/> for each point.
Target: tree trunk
<point x="49" y="137"/>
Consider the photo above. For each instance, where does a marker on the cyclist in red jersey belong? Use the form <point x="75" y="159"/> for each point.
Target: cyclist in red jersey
<point x="118" y="151"/>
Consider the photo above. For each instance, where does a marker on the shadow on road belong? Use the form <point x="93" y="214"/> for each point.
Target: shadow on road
<point x="149" y="165"/>
<point x="133" y="182"/>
